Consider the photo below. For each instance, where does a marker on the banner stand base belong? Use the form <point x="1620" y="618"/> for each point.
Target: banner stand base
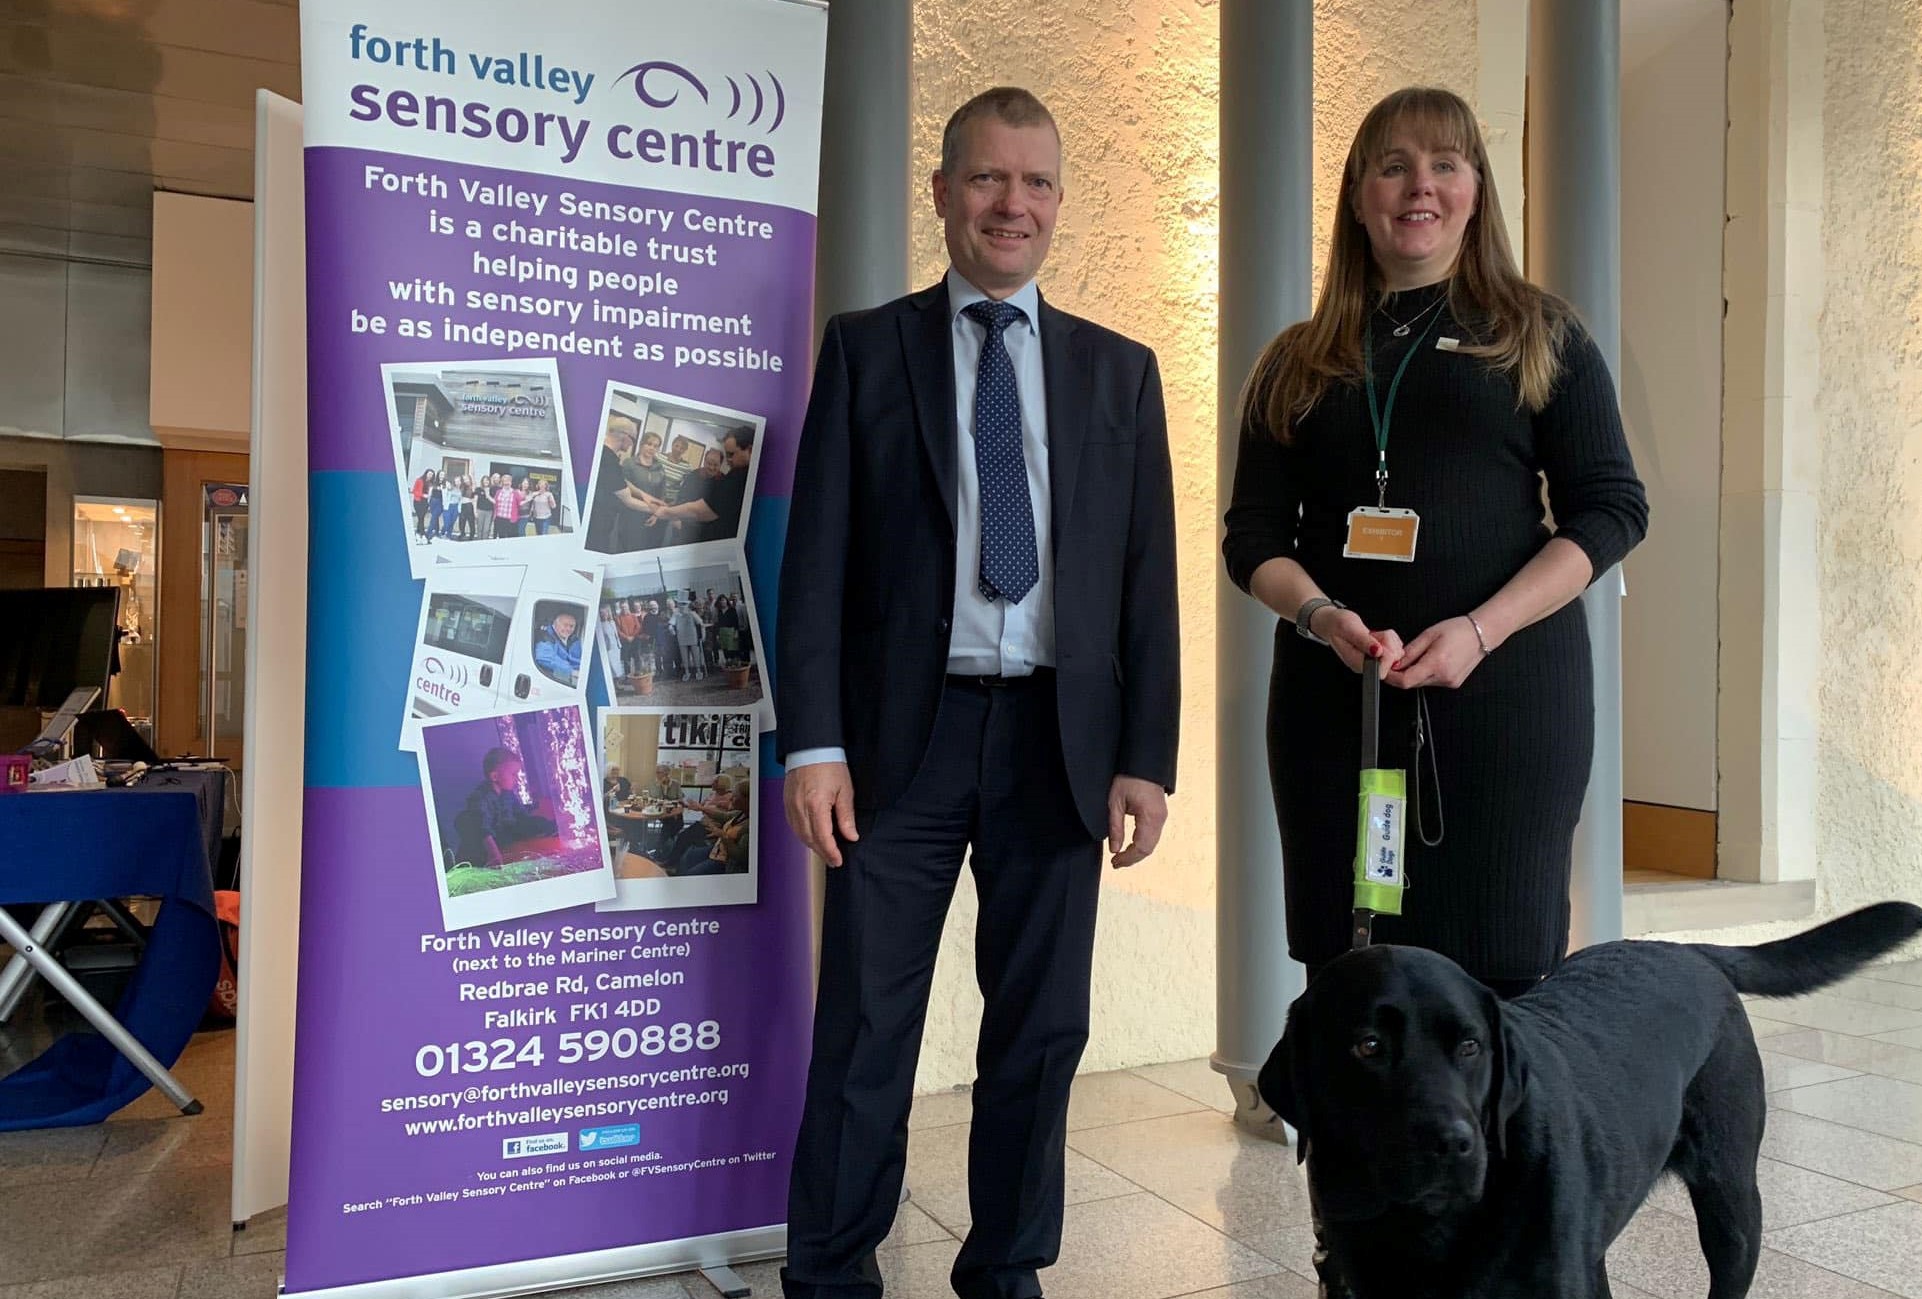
<point x="712" y="1256"/>
<point x="727" y="1281"/>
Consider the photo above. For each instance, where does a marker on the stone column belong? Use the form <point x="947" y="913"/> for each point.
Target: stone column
<point x="861" y="257"/>
<point x="1575" y="249"/>
<point x="1267" y="213"/>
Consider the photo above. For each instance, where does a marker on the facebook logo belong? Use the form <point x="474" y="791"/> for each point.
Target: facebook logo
<point x="548" y="1143"/>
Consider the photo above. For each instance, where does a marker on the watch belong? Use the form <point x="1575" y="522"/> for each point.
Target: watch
<point x="1307" y="612"/>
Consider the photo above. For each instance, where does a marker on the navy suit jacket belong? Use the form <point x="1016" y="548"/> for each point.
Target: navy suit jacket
<point x="867" y="580"/>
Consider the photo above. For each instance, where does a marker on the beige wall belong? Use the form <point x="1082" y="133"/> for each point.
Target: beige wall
<point x="1770" y="603"/>
<point x="203" y="322"/>
<point x="1134" y="87"/>
<point x="1362" y="52"/>
<point x="1869" y="800"/>
<point x="1674" y="53"/>
<point x="635" y="742"/>
<point x="1860" y="113"/>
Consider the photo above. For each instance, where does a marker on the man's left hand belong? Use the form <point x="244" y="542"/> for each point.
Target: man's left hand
<point x="1147" y="803"/>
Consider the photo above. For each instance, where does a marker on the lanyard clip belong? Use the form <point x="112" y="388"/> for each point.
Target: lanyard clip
<point x="1381" y="485"/>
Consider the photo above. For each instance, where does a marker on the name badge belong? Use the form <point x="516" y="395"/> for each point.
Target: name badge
<point x="1381" y="534"/>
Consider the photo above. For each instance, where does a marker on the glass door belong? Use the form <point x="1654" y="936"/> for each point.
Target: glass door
<point x="223" y="619"/>
<point x="116" y="542"/>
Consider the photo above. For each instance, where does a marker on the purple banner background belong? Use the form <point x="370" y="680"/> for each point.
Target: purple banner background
<point x="370" y="997"/>
<point x="375" y="237"/>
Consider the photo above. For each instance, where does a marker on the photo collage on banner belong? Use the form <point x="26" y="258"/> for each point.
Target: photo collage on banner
<point x="669" y="500"/>
<point x="483" y="464"/>
<point x="487" y="502"/>
<point x="556" y="968"/>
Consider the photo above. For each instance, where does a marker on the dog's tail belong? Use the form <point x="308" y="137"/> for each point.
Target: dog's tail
<point x="1824" y="955"/>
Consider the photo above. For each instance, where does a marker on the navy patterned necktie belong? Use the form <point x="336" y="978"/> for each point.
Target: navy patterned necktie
<point x="1009" y="568"/>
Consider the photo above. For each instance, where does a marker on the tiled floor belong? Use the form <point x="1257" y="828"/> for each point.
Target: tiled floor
<point x="1166" y="1197"/>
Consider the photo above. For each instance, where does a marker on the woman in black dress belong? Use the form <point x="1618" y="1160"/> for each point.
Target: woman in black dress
<point x="1482" y="386"/>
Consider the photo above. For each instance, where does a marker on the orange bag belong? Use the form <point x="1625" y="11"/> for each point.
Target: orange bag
<point x="225" y="1003"/>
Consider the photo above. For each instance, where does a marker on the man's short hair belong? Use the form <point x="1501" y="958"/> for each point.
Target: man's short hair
<point x="1009" y="105"/>
<point x="495" y="759"/>
<point x="743" y="437"/>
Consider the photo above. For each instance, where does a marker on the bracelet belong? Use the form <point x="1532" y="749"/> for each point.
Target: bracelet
<point x="1480" y="639"/>
<point x="1306" y="615"/>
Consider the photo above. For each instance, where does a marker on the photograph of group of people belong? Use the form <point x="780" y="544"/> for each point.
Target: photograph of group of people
<point x="521" y="590"/>
<point x="670" y="473"/>
<point x="679" y="634"/>
<point x="677" y="791"/>
<point x="502" y="504"/>
<point x="513" y="814"/>
<point x="481" y="453"/>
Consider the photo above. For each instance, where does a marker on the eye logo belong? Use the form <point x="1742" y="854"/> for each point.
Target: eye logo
<point x="454" y="672"/>
<point x="663" y="70"/>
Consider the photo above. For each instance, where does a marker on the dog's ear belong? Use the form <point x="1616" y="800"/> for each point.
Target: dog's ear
<point x="1508" y="1073"/>
<point x="1280" y="1080"/>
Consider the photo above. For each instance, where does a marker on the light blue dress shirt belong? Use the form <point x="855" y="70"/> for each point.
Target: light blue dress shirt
<point x="991" y="636"/>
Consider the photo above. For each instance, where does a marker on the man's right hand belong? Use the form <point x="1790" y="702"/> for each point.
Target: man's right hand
<point x="820" y="800"/>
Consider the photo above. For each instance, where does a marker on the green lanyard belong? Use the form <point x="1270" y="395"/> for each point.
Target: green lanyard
<point x="1380" y="416"/>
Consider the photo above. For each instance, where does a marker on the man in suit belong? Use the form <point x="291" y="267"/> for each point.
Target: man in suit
<point x="979" y="649"/>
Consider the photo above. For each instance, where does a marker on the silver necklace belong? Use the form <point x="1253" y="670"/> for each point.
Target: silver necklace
<point x="1401" y="330"/>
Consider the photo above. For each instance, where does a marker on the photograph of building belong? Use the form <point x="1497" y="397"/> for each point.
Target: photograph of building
<point x="482" y="456"/>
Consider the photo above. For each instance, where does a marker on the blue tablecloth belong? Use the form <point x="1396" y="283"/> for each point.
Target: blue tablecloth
<point x="159" y="838"/>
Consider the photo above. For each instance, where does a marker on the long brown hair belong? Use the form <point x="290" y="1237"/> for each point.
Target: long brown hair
<point x="1522" y="327"/>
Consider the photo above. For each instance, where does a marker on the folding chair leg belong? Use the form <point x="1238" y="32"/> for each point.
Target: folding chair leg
<point x="96" y="1014"/>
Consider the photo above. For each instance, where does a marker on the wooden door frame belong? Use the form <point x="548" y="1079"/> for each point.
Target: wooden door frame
<point x="177" y="705"/>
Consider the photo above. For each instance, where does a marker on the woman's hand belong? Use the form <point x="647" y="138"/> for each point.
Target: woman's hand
<point x="1350" y="638"/>
<point x="1444" y="655"/>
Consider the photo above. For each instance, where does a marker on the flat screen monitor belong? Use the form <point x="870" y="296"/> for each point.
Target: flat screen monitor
<point x="54" y="641"/>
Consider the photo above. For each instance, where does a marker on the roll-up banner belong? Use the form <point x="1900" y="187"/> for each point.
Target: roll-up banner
<point x="555" y="971"/>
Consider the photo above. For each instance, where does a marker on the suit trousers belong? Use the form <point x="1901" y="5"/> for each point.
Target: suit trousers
<point x="993" y="782"/>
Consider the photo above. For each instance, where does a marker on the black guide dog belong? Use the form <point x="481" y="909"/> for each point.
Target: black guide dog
<point x="1463" y="1147"/>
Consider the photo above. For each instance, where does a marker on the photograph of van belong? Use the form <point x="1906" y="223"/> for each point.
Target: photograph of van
<point x="493" y="638"/>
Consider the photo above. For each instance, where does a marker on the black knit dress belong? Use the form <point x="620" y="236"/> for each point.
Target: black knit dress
<point x="1513" y="745"/>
